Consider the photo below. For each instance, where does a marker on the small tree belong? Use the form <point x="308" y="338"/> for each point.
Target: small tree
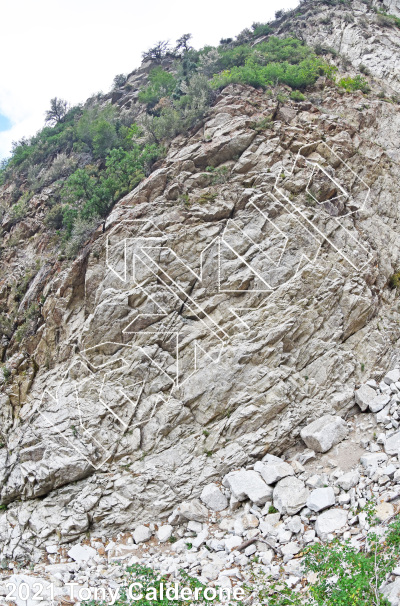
<point x="157" y="52"/>
<point x="119" y="81"/>
<point x="57" y="111"/>
<point x="182" y="45"/>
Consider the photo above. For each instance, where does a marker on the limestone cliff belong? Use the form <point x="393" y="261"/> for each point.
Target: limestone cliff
<point x="239" y="292"/>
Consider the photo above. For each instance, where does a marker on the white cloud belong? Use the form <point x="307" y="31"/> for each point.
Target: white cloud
<point x="74" y="49"/>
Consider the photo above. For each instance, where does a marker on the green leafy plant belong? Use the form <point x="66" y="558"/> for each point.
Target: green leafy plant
<point x="345" y="575"/>
<point x="352" y="84"/>
<point x="394" y="280"/>
<point x="262" y="125"/>
<point x="161" y="84"/>
<point x="297" y="96"/>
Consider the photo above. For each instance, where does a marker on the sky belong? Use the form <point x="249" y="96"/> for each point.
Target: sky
<point x="74" y="48"/>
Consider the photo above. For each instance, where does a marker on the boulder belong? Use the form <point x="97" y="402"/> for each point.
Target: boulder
<point x="393" y="376"/>
<point x="322" y="434"/>
<point x="392" y="444"/>
<point x="379" y="402"/>
<point x="273" y="472"/>
<point x="81" y="553"/>
<point x="248" y="485"/>
<point x="330" y="521"/>
<point x="384" y="511"/>
<point x="392" y="592"/>
<point x="192" y="511"/>
<point x="213" y="498"/>
<point x="295" y="525"/>
<point x="290" y="495"/>
<point x="142" y="534"/>
<point x="321" y="498"/>
<point x="371" y="460"/>
<point x="364" y="396"/>
<point x="348" y="480"/>
<point x="164" y="533"/>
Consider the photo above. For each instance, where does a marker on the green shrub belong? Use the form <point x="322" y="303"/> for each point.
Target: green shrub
<point x="394" y="281"/>
<point x="345" y="575"/>
<point x="296" y="95"/>
<point x="97" y="129"/>
<point x="119" y="81"/>
<point x="262" y="125"/>
<point x="161" y="84"/>
<point x="19" y="210"/>
<point x="81" y="230"/>
<point x="261" y="29"/>
<point x="297" y="76"/>
<point x="353" y="84"/>
<point x="54" y="218"/>
<point x="89" y="192"/>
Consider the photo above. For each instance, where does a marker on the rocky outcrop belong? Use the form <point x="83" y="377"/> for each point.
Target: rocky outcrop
<point x="237" y="295"/>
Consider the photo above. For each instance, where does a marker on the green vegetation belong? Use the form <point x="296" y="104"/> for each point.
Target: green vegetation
<point x="277" y="61"/>
<point x="297" y="96"/>
<point x="161" y="84"/>
<point x="353" y="84"/>
<point x="151" y="590"/>
<point x="344" y="575"/>
<point x="262" y="125"/>
<point x="394" y="281"/>
<point x="93" y="155"/>
<point x="387" y="20"/>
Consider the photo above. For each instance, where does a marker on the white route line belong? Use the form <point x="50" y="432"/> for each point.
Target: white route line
<point x="151" y="238"/>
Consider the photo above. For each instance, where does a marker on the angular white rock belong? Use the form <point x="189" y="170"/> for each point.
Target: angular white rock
<point x="164" y="533"/>
<point x="81" y="553"/>
<point x="348" y="480"/>
<point x="322" y="434"/>
<point x="392" y="376"/>
<point x="364" y="396"/>
<point x="213" y="498"/>
<point x="189" y="511"/>
<point x="330" y="521"/>
<point x="379" y="402"/>
<point x="248" y="485"/>
<point x="141" y="534"/>
<point x="290" y="495"/>
<point x="372" y="460"/>
<point x="321" y="498"/>
<point x="274" y="471"/>
<point x="392" y="444"/>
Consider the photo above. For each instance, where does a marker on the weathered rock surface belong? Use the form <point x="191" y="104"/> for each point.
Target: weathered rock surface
<point x="330" y="521"/>
<point x="213" y="498"/>
<point x="273" y="472"/>
<point x="290" y="495"/>
<point x="324" y="433"/>
<point x="276" y="309"/>
<point x="248" y="485"/>
<point x="320" y="499"/>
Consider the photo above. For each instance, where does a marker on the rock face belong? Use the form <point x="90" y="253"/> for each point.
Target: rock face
<point x="324" y="433"/>
<point x="215" y="314"/>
